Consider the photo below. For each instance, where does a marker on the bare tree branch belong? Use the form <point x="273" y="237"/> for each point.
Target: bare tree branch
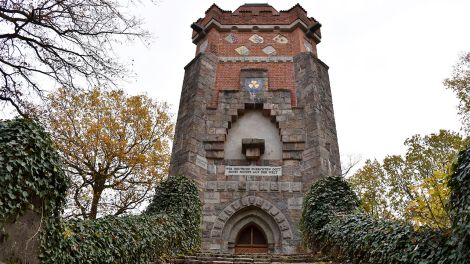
<point x="67" y="42"/>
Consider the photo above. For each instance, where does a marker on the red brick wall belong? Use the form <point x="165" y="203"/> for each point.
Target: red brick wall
<point x="218" y="45"/>
<point x="280" y="74"/>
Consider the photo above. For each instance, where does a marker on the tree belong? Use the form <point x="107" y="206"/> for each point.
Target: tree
<point x="369" y="183"/>
<point x="67" y="42"/>
<point x="460" y="84"/>
<point x="348" y="166"/>
<point x="412" y="187"/>
<point x="115" y="147"/>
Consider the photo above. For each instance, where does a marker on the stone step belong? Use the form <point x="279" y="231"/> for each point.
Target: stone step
<point x="225" y="258"/>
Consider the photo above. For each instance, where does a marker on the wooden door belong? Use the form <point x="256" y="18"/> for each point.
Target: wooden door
<point x="251" y="240"/>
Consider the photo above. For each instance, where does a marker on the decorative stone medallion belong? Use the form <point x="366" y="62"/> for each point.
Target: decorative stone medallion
<point x="308" y="46"/>
<point x="203" y="46"/>
<point x="281" y="39"/>
<point x="257" y="39"/>
<point x="255" y="85"/>
<point x="242" y="50"/>
<point x="269" y="50"/>
<point x="230" y="38"/>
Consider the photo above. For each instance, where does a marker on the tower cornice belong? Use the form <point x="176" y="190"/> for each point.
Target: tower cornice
<point x="253" y="17"/>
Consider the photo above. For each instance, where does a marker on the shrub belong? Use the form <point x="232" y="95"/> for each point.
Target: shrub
<point x="332" y="223"/>
<point x="170" y="226"/>
<point x="327" y="198"/>
<point x="460" y="207"/>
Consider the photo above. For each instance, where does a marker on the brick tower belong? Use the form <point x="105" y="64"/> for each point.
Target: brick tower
<point x="255" y="125"/>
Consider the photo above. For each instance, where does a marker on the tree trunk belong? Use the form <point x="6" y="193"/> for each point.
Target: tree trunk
<point x="98" y="188"/>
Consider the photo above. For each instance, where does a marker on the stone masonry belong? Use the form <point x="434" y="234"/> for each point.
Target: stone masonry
<point x="260" y="61"/>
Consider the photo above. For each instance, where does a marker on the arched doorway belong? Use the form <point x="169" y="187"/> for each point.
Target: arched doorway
<point x="251" y="239"/>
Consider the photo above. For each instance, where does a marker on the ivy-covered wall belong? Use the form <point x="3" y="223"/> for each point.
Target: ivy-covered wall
<point x="170" y="226"/>
<point x="33" y="187"/>
<point x="333" y="223"/>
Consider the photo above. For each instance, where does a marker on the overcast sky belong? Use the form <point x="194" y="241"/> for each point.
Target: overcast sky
<point x="387" y="62"/>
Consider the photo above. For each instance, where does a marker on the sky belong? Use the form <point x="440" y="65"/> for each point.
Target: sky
<point x="387" y="62"/>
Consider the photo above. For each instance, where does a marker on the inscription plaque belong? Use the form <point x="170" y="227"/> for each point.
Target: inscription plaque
<point x="253" y="171"/>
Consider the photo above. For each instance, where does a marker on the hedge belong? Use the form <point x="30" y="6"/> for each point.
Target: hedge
<point x="333" y="223"/>
<point x="166" y="229"/>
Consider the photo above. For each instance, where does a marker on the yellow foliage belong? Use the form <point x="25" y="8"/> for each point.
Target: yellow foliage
<point x="412" y="187"/>
<point x="116" y="147"/>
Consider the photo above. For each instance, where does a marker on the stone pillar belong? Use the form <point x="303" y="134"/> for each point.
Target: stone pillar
<point x="321" y="154"/>
<point x="189" y="156"/>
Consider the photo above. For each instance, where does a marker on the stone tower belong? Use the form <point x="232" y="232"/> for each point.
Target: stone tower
<point x="255" y="125"/>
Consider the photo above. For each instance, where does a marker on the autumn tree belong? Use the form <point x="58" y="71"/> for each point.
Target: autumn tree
<point x="459" y="83"/>
<point x="115" y="147"/>
<point x="369" y="184"/>
<point x="412" y="187"/>
<point x="69" y="43"/>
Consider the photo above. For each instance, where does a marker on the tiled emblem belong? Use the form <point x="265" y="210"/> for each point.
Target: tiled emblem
<point x="308" y="46"/>
<point x="281" y="39"/>
<point x="255" y="85"/>
<point x="230" y="38"/>
<point x="269" y="50"/>
<point x="242" y="50"/>
<point x="203" y="46"/>
<point x="256" y="39"/>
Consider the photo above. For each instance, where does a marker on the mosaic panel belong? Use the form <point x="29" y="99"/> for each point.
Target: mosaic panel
<point x="242" y="50"/>
<point x="230" y="38"/>
<point x="256" y="39"/>
<point x="255" y="85"/>
<point x="269" y="50"/>
<point x="308" y="46"/>
<point x="281" y="39"/>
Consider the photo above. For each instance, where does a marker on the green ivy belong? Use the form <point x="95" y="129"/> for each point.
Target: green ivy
<point x="179" y="196"/>
<point x="460" y="207"/>
<point x="170" y="226"/>
<point x="326" y="199"/>
<point x="30" y="171"/>
<point x="332" y="222"/>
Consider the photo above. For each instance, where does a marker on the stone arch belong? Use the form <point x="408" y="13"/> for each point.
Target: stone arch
<point x="240" y="109"/>
<point x="255" y="210"/>
<point x="280" y="112"/>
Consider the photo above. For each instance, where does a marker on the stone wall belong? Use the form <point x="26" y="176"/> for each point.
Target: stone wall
<point x="19" y="241"/>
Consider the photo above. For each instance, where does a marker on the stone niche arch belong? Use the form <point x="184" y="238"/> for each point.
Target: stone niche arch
<point x="253" y="124"/>
<point x="252" y="210"/>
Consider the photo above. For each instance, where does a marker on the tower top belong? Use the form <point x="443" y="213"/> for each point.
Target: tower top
<point x="256" y="17"/>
